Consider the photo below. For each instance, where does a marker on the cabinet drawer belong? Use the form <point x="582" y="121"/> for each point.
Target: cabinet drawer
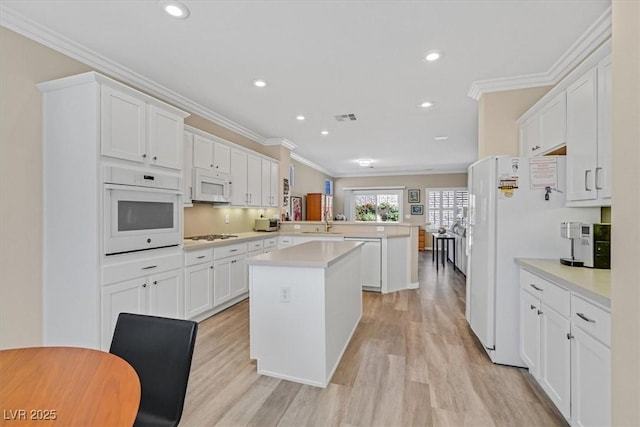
<point x="139" y="268"/>
<point x="271" y="242"/>
<point x="197" y="257"/>
<point x="256" y="245"/>
<point x="592" y="319"/>
<point x="230" y="250"/>
<point x="552" y="295"/>
<point x="285" y="240"/>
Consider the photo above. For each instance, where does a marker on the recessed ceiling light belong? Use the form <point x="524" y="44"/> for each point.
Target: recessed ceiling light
<point x="259" y="83"/>
<point x="426" y="104"/>
<point x="325" y="132"/>
<point x="364" y="163"/>
<point x="300" y="117"/>
<point x="174" y="9"/>
<point x="441" y="138"/>
<point x="433" y="56"/>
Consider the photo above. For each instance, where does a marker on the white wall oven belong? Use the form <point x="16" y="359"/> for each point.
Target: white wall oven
<point x="142" y="210"/>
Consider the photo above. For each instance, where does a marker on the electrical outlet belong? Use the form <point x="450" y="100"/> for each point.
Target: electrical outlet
<point x="226" y="219"/>
<point x="379" y="228"/>
<point x="285" y="294"/>
<point x="296" y="226"/>
<point x="407" y="216"/>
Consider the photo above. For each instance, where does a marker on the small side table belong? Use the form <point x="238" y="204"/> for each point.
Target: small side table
<point x="438" y="240"/>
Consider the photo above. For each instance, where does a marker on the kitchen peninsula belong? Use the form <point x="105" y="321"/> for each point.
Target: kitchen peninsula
<point x="305" y="303"/>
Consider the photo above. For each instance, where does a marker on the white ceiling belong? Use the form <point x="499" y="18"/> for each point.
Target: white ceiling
<point x="323" y="58"/>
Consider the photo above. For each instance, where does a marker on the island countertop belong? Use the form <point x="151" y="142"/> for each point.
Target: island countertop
<point x="590" y="282"/>
<point x="314" y="254"/>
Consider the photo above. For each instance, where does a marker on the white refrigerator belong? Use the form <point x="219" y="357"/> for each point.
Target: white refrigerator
<point x="510" y="218"/>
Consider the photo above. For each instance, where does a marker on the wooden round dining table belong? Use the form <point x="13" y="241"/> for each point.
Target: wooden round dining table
<point x="66" y="386"/>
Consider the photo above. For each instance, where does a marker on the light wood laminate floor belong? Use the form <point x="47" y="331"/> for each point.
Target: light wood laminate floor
<point x="413" y="361"/>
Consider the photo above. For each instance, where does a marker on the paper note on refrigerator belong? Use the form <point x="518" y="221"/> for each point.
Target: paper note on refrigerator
<point x="543" y="172"/>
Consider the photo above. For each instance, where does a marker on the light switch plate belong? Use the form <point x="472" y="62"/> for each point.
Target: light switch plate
<point x="226" y="219"/>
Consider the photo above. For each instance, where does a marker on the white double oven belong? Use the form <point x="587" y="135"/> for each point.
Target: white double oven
<point x="142" y="210"/>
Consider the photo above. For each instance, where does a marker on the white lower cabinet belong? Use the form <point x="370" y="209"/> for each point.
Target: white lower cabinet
<point x="229" y="273"/>
<point x="158" y="295"/>
<point x="555" y="363"/>
<point x="544" y="337"/>
<point x="198" y="295"/>
<point x="530" y="332"/>
<point x="590" y="381"/>
<point x="564" y="341"/>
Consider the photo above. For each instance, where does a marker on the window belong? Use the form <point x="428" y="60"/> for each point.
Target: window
<point x="381" y="205"/>
<point x="447" y="206"/>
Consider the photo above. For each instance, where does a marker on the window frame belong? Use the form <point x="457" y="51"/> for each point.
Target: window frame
<point x="455" y="190"/>
<point x="377" y="191"/>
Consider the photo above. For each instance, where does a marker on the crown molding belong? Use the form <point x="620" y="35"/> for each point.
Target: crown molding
<point x="593" y="37"/>
<point x="280" y="141"/>
<point x="307" y="162"/>
<point x="47" y="37"/>
<point x="402" y="173"/>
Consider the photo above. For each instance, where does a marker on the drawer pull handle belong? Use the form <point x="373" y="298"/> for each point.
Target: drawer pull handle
<point x="536" y="288"/>
<point x="585" y="318"/>
<point x="149" y="267"/>
<point x="533" y="307"/>
<point x="200" y="257"/>
<point x="233" y="250"/>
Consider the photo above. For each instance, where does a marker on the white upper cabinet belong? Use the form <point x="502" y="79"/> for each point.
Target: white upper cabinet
<point x="603" y="169"/>
<point x="187" y="167"/>
<point x="202" y="152"/>
<point x="239" y="195"/>
<point x="254" y="187"/>
<point x="221" y="158"/>
<point x="553" y="123"/>
<point x="165" y="136"/>
<point x="123" y="125"/>
<point x="582" y="119"/>
<point x="530" y="137"/>
<point x="133" y="130"/>
<point x="269" y="183"/>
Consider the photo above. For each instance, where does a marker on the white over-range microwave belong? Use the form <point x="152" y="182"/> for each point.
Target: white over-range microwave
<point x="210" y="187"/>
<point x="142" y="210"/>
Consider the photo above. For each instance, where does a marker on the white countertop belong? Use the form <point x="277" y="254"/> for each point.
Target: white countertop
<point x="592" y="283"/>
<point x="257" y="235"/>
<point x="314" y="254"/>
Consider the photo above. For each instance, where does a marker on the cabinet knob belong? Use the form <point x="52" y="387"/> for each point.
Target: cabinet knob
<point x="216" y="166"/>
<point x="144" y="156"/>
<point x="533" y="307"/>
<point x="210" y="166"/>
<point x="144" y="285"/>
<point x="155" y="282"/>
<point x="539" y="312"/>
<point x="155" y="157"/>
<point x="569" y="336"/>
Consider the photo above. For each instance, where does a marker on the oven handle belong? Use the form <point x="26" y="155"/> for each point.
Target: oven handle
<point x="142" y="189"/>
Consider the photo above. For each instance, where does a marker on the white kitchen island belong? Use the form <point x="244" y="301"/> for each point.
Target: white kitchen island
<point x="305" y="303"/>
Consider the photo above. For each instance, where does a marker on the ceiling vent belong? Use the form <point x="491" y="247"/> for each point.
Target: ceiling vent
<point x="346" y="117"/>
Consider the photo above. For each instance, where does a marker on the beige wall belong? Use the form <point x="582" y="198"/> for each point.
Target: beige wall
<point x="23" y="63"/>
<point x="307" y="180"/>
<point x="625" y="269"/>
<point x="420" y="182"/>
<point x="497" y="115"/>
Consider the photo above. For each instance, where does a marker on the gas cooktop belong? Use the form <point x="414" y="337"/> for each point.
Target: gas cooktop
<point x="211" y="237"/>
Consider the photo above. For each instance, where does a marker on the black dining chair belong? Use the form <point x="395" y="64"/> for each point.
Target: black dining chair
<point x="160" y="350"/>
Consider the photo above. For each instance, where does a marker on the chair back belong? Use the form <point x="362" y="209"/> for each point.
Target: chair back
<point x="160" y="351"/>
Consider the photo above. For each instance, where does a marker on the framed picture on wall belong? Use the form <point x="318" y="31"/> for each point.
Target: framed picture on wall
<point x="417" y="209"/>
<point x="414" y="196"/>
<point x="296" y="208"/>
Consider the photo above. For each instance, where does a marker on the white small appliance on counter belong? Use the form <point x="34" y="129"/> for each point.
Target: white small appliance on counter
<point x="571" y="230"/>
<point x="267" y="224"/>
